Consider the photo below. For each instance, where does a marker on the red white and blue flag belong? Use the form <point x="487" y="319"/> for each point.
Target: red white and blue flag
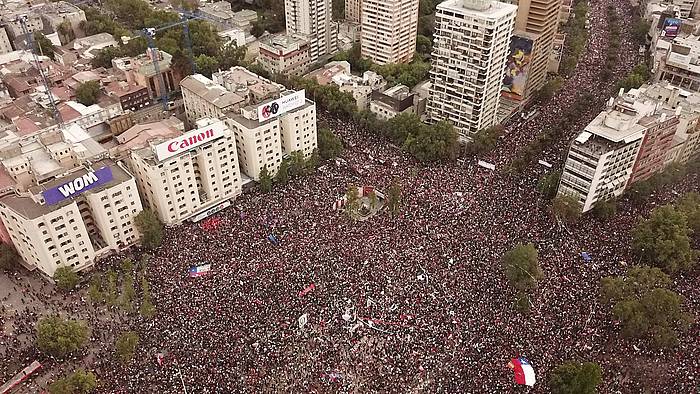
<point x="524" y="374"/>
<point x="200" y="270"/>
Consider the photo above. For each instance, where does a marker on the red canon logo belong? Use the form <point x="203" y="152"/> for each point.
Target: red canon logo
<point x="186" y="142"/>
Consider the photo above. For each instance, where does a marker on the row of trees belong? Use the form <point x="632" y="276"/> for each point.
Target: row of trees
<point x="611" y="58"/>
<point x="639" y="75"/>
<point x="522" y="270"/>
<point x="576" y="37"/>
<point x="293" y="166"/>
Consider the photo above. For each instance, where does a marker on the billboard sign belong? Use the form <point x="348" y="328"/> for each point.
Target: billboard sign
<point x="189" y="140"/>
<point x="671" y="27"/>
<point x="77" y="186"/>
<point x="281" y="105"/>
<point x="517" y="68"/>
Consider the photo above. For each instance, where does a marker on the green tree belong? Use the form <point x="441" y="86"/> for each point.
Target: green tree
<point x="44" y="45"/>
<point x="423" y="45"/>
<point x="329" y="145"/>
<point x="549" y="89"/>
<point x="640" y="29"/>
<point x="352" y="203"/>
<point x="9" y="258"/>
<point x="689" y="205"/>
<point x="282" y="176"/>
<point x="438" y="142"/>
<point x="664" y="240"/>
<point x="95" y="290"/>
<point x="128" y="293"/>
<point x="66" y="278"/>
<point x="646" y="309"/>
<point x="147" y="309"/>
<point x="59" y="337"/>
<point x="548" y="184"/>
<point x="65" y="32"/>
<point x="522" y="302"/>
<point x="231" y="55"/>
<point x="394" y="197"/>
<point x="575" y="378"/>
<point x="484" y="140"/>
<point x="150" y="227"/>
<point x="312" y="162"/>
<point x="206" y="65"/>
<point x="126" y="346"/>
<point x="265" y="180"/>
<point x="521" y="266"/>
<point x="297" y="163"/>
<point x="403" y="125"/>
<point x="605" y="210"/>
<point x="103" y="57"/>
<point x="110" y="292"/>
<point x="566" y="208"/>
<point x="88" y="92"/>
<point x="79" y="382"/>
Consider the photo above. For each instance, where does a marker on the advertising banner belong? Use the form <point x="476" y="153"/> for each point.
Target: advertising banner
<point x="189" y="140"/>
<point x="78" y="185"/>
<point x="281" y="105"/>
<point x="671" y="27"/>
<point x="517" y="68"/>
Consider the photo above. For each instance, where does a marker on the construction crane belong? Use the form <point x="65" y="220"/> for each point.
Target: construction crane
<point x="150" y="34"/>
<point x="22" y="20"/>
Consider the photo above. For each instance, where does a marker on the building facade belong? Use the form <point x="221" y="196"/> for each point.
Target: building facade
<point x="284" y="54"/>
<point x="312" y="19"/>
<point x="353" y="10"/>
<point x="391" y="102"/>
<point x="388" y="30"/>
<point x="658" y="140"/>
<point x="5" y="45"/>
<point x="469" y="55"/>
<point x="205" y="99"/>
<point x="189" y="175"/>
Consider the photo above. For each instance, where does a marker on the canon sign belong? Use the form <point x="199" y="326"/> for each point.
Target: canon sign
<point x="189" y="140"/>
<point x="281" y="105"/>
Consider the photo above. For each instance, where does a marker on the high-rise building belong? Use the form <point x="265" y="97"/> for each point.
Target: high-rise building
<point x="353" y="10"/>
<point x="531" y="47"/>
<point x="313" y="19"/>
<point x="469" y="55"/>
<point x="388" y="30"/>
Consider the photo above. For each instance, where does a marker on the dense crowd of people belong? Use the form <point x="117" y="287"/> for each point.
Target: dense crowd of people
<point x="413" y="303"/>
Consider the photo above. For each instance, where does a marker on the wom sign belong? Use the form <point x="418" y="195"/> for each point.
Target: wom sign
<point x="78" y="185"/>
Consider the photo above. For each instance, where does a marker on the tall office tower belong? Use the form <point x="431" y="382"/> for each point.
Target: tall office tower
<point x="530" y="49"/>
<point x="469" y="55"/>
<point x="313" y="19"/>
<point x="389" y="29"/>
<point x="353" y="10"/>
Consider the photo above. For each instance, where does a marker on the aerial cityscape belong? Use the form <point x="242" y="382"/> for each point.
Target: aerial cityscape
<point x="349" y="196"/>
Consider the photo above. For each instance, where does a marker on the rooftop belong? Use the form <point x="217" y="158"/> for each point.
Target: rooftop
<point x="247" y="84"/>
<point x="139" y="136"/>
<point x="210" y="91"/>
<point x="485" y="9"/>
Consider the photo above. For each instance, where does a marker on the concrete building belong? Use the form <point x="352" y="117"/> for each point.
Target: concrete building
<point x="219" y="13"/>
<point x="680" y="64"/>
<point x="205" y="99"/>
<point x="234" y="36"/>
<point x="391" y="102"/>
<point x="131" y="96"/>
<point x="284" y="54"/>
<point x="313" y="20"/>
<point x="468" y="63"/>
<point x="248" y="85"/>
<point x="353" y="10"/>
<point x="686" y="141"/>
<point x="5" y="45"/>
<point x="62" y="13"/>
<point x="71" y="204"/>
<point x="389" y="29"/>
<point x="536" y="25"/>
<point x="361" y="88"/>
<point x="186" y="176"/>
<point x="141" y="71"/>
<point x="602" y="159"/>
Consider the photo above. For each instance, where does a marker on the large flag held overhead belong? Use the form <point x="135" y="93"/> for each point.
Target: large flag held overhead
<point x="200" y="270"/>
<point x="524" y="374"/>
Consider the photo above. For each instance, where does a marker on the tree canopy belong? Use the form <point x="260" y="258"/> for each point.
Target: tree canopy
<point x="575" y="378"/>
<point x="329" y="145"/>
<point x="566" y="207"/>
<point x="265" y="180"/>
<point x="438" y="142"/>
<point x="59" y="337"/>
<point x="44" y="45"/>
<point x="66" y="278"/>
<point x="663" y="240"/>
<point x="125" y="346"/>
<point x="150" y="227"/>
<point x="484" y="140"/>
<point x="9" y="258"/>
<point x="644" y="305"/>
<point x="522" y="267"/>
<point x="88" y="92"/>
<point x="689" y="205"/>
<point x="79" y="382"/>
<point x="548" y="184"/>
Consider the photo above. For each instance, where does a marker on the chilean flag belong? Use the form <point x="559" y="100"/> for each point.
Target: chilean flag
<point x="200" y="270"/>
<point x="524" y="374"/>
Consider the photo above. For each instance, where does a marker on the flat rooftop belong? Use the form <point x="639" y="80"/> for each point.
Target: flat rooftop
<point x="485" y="9"/>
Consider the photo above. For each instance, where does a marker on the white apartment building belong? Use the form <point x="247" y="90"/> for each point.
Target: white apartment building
<point x="284" y="54"/>
<point x="313" y="20"/>
<point x="263" y="136"/>
<point x="70" y="204"/>
<point x="5" y="46"/>
<point x="388" y="30"/>
<point x="601" y="159"/>
<point x="205" y="99"/>
<point x="471" y="43"/>
<point x="353" y="10"/>
<point x="188" y="176"/>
